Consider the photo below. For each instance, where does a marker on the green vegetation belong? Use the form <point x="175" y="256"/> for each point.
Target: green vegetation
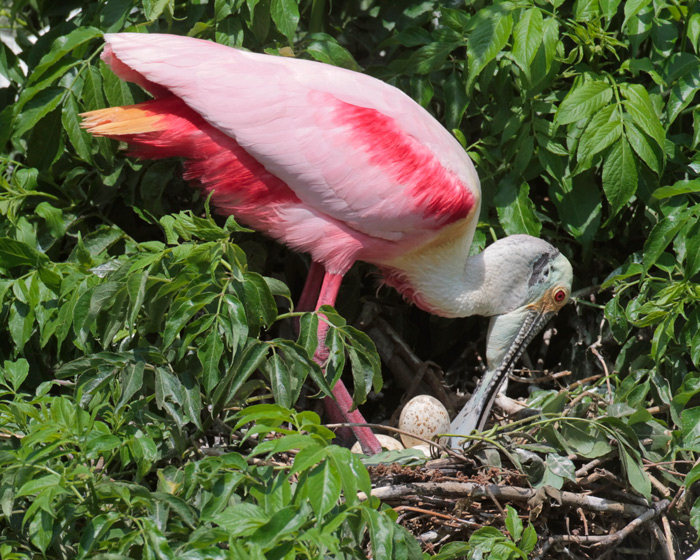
<point x="145" y="347"/>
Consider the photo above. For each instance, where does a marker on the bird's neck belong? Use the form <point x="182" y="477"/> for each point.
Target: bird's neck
<point x="442" y="278"/>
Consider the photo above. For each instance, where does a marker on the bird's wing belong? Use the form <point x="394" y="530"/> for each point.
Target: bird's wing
<point x="350" y="146"/>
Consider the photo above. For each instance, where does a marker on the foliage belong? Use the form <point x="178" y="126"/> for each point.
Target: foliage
<point x="133" y="324"/>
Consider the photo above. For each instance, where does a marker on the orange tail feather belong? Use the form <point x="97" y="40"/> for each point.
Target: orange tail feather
<point x="121" y="121"/>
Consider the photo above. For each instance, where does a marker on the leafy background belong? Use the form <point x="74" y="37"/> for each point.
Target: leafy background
<point x="139" y="333"/>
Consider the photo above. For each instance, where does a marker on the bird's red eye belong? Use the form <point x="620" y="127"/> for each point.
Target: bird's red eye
<point x="559" y="296"/>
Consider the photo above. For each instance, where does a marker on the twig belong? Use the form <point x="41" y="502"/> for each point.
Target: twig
<point x="590" y="379"/>
<point x="656" y="483"/>
<point x="427" y="512"/>
<point x="513" y="493"/>
<point x="444" y="448"/>
<point x="681" y="491"/>
<point x="594" y="349"/>
<point x="668" y="545"/>
<point x="541" y="379"/>
<point x="585" y="469"/>
<point x="615" y="538"/>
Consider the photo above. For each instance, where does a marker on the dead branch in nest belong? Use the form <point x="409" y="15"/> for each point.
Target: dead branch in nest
<point x="509" y="493"/>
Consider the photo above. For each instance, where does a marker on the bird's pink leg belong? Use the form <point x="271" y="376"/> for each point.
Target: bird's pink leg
<point x="312" y="287"/>
<point x="327" y="296"/>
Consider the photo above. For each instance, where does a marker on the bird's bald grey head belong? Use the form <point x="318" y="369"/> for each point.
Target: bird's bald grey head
<point x="520" y="269"/>
<point x="544" y="286"/>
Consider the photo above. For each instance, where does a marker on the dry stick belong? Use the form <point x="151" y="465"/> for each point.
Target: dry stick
<point x="658" y="409"/>
<point x="544" y="347"/>
<point x="659" y="534"/>
<point x="681" y="491"/>
<point x="594" y="349"/>
<point x="585" y="469"/>
<point x="603" y="540"/>
<point x="513" y="493"/>
<point x="590" y="379"/>
<point x="669" y="538"/>
<point x="541" y="379"/>
<point x="656" y="483"/>
<point x="427" y="512"/>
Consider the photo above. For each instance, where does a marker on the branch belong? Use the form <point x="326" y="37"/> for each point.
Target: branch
<point x="617" y="537"/>
<point x="511" y="493"/>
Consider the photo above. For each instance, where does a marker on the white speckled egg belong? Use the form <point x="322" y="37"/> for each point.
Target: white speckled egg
<point x="423" y="416"/>
<point x="388" y="443"/>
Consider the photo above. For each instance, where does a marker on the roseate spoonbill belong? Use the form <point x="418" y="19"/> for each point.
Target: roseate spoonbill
<point x="345" y="167"/>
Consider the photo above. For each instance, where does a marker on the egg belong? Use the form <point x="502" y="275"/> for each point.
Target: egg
<point x="423" y="416"/>
<point x="388" y="443"/>
<point x="424" y="448"/>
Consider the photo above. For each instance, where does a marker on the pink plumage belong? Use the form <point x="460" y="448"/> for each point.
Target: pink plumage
<point x="328" y="161"/>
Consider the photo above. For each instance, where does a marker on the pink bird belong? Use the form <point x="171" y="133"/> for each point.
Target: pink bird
<point x="342" y="166"/>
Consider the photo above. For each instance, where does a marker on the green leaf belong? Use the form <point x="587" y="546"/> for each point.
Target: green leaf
<point x="182" y="311"/>
<point x="516" y="212"/>
<point x="527" y="38"/>
<point x="690" y="427"/>
<point x="639" y="106"/>
<point x="603" y="130"/>
<point x="260" y="305"/>
<point x="693" y="30"/>
<point x="153" y="9"/>
<point x="16" y="372"/>
<point x="640" y="143"/>
<point x="280" y="382"/>
<point x="619" y="176"/>
<point x="209" y="354"/>
<point x="15" y="253"/>
<point x="661" y="235"/>
<point x="37" y="108"/>
<point x="695" y="515"/>
<point x="308" y="332"/>
<point x="692" y="477"/>
<point x="326" y="48"/>
<point x="41" y="530"/>
<point x="98" y="445"/>
<point x="45" y="143"/>
<point x="579" y="210"/>
<point x="38" y="484"/>
<point x="115" y="89"/>
<point x="285" y="14"/>
<point x="632" y="8"/>
<point x="456" y="100"/>
<point x="489" y="36"/>
<point x="131" y="382"/>
<point x="322" y="488"/>
<point x="684" y="186"/>
<point x="53" y="217"/>
<point x="529" y="540"/>
<point x="514" y="524"/>
<point x="583" y="101"/>
<point x="79" y="139"/>
<point x="692" y="241"/>
<point x="244" y="364"/>
<point x="241" y="519"/>
<point x="637" y="477"/>
<point x="61" y="47"/>
<point x="430" y="58"/>
<point x="366" y="367"/>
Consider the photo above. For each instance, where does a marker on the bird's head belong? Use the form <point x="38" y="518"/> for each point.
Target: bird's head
<point x="543" y="278"/>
